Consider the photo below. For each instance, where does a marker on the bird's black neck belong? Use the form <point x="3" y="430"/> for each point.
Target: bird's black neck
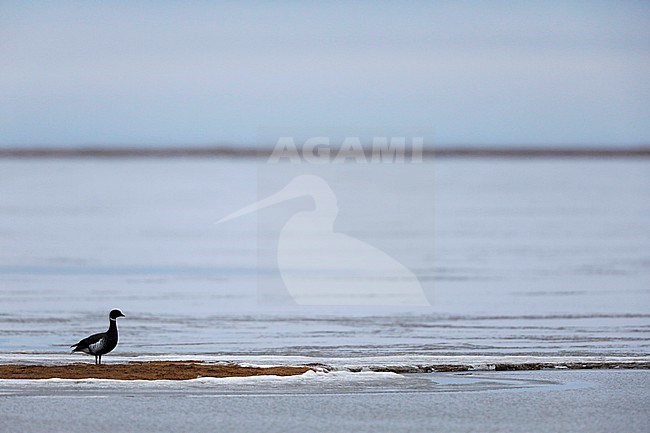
<point x="112" y="328"/>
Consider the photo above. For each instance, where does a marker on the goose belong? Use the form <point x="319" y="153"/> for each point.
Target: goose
<point x="102" y="343"/>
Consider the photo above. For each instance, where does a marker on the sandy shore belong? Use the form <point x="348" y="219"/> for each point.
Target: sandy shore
<point x="184" y="370"/>
<point x="156" y="370"/>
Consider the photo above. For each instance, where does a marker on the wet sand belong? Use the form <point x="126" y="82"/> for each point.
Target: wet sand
<point x="155" y="370"/>
<point x="510" y="366"/>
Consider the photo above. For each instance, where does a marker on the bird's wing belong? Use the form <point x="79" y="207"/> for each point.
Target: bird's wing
<point x="97" y="347"/>
<point x="88" y="341"/>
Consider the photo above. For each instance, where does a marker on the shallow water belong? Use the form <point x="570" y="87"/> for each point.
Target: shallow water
<point x="550" y="401"/>
<point x="532" y="258"/>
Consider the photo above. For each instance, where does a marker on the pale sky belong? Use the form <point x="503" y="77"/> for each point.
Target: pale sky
<point x="196" y="73"/>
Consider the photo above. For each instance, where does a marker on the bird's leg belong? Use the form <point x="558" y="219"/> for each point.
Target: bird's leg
<point x="95" y="359"/>
<point x="100" y="359"/>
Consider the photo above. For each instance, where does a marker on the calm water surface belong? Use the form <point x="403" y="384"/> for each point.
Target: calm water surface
<point x="537" y="258"/>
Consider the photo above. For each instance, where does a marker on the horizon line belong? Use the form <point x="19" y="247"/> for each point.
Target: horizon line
<point x="247" y="152"/>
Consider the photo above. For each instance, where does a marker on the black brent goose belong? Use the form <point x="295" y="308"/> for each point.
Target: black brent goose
<point x="102" y="343"/>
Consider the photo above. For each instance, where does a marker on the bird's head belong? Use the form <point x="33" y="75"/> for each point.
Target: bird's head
<point x="114" y="314"/>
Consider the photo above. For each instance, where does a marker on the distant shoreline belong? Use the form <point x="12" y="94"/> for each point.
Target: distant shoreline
<point x="230" y="152"/>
